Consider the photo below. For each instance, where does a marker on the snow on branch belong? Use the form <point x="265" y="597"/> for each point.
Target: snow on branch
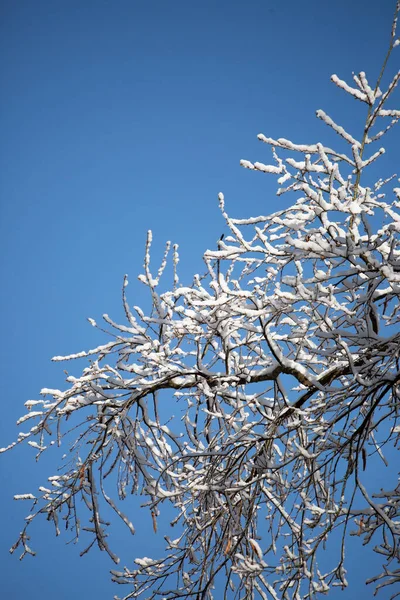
<point x="282" y="360"/>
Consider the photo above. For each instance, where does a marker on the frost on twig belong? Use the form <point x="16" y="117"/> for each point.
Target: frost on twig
<point x="283" y="358"/>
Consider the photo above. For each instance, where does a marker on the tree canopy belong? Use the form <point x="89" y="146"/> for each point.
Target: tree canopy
<point x="283" y="357"/>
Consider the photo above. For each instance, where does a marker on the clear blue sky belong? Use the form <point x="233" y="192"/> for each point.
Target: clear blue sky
<point x="120" y="116"/>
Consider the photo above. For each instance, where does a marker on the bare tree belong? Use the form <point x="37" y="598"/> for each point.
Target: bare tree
<point x="284" y="357"/>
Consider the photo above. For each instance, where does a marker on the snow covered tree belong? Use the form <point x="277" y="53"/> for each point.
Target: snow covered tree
<point x="282" y="361"/>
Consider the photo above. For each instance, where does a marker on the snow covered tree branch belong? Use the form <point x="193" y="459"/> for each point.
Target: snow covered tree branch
<point x="283" y="360"/>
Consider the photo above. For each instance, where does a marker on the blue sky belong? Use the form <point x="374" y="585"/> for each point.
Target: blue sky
<point x="118" y="117"/>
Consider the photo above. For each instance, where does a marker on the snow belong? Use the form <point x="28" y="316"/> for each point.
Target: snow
<point x="360" y="95"/>
<point x="30" y="415"/>
<point x="337" y="128"/>
<point x="24" y="497"/>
